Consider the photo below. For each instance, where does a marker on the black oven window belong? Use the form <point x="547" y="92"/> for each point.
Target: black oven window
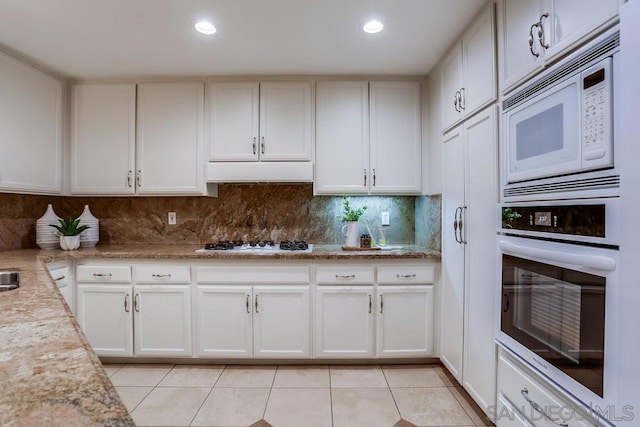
<point x="558" y="314"/>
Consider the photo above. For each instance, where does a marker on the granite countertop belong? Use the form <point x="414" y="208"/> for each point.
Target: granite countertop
<point x="48" y="371"/>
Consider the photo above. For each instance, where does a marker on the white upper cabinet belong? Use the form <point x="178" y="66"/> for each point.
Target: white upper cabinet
<point x="169" y="138"/>
<point x="269" y="121"/>
<point x="30" y="129"/>
<point x="394" y="134"/>
<point x="103" y="120"/>
<point x="106" y="156"/>
<point x="368" y="138"/>
<point x="469" y="80"/>
<point x="536" y="32"/>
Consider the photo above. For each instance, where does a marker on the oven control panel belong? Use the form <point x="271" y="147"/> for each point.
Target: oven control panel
<point x="584" y="220"/>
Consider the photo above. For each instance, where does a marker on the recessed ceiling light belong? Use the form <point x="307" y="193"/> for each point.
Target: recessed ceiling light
<point x="205" y="27"/>
<point x="372" y="27"/>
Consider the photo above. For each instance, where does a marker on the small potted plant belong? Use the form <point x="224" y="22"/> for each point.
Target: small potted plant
<point x="70" y="230"/>
<point x="350" y="217"/>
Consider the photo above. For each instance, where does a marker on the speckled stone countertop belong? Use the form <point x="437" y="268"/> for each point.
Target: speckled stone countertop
<point x="49" y="374"/>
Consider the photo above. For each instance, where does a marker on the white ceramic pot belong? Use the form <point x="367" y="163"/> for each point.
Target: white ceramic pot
<point x="351" y="230"/>
<point x="46" y="236"/>
<point x="69" y="243"/>
<point x="90" y="236"/>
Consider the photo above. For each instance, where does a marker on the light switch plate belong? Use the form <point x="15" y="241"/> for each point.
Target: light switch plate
<point x="172" y="218"/>
<point x="384" y="218"/>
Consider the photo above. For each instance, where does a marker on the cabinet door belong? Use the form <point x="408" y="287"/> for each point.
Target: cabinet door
<point x="517" y="60"/>
<point x="169" y="138"/>
<point x="162" y="320"/>
<point x="104" y="313"/>
<point x="344" y="321"/>
<point x="478" y="51"/>
<point x="342" y="138"/>
<point x="285" y="121"/>
<point x="405" y="321"/>
<point x="574" y="20"/>
<point x="452" y="253"/>
<point x="395" y="137"/>
<point x="452" y="83"/>
<point x="281" y="322"/>
<point x="223" y="321"/>
<point x="103" y="138"/>
<point x="233" y="121"/>
<point x="480" y="223"/>
<point x="30" y="129"/>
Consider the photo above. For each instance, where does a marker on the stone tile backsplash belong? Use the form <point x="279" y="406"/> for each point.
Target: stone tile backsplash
<point x="261" y="211"/>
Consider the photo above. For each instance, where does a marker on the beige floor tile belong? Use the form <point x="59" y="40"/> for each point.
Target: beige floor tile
<point x="132" y="396"/>
<point x="169" y="406"/>
<point x="357" y="377"/>
<point x="302" y="376"/>
<point x="140" y="375"/>
<point x="295" y="407"/>
<point x="412" y="376"/>
<point x="192" y="376"/>
<point x="430" y="407"/>
<point x="474" y="412"/>
<point x="112" y="368"/>
<point x="247" y="376"/>
<point x="232" y="407"/>
<point x="360" y="407"/>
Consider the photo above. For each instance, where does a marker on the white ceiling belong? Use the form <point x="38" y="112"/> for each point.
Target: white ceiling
<point x="142" y="38"/>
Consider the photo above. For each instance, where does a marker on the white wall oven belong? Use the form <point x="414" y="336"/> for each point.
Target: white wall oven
<point x="558" y="279"/>
<point x="560" y="127"/>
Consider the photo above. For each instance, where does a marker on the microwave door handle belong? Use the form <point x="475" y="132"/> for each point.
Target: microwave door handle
<point x="592" y="261"/>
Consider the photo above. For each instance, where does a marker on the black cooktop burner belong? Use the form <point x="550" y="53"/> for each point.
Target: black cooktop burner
<point x="294" y="245"/>
<point x="226" y="245"/>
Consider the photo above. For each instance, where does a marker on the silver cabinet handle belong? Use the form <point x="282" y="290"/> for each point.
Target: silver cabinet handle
<point x="536" y="407"/>
<point x="247" y="304"/>
<point x="257" y="295"/>
<point x="374" y="177"/>
<point x="254" y="145"/>
<point x="161" y="276"/>
<point x="60" y="278"/>
<point x="365" y="177"/>
<point x="102" y="274"/>
<point x="139" y="178"/>
<point x="531" y="40"/>
<point x="262" y="145"/>
<point x="461" y="225"/>
<point x="541" y="31"/>
<point x="136" y="303"/>
<point x="462" y="103"/>
<point x="126" y="303"/>
<point x="370" y="304"/>
<point x="129" y="179"/>
<point x="455" y="224"/>
<point x="455" y="102"/>
<point x="345" y="276"/>
<point x="406" y="276"/>
<point x="381" y="303"/>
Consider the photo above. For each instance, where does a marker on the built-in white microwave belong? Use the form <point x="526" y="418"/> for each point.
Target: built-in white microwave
<point x="561" y="124"/>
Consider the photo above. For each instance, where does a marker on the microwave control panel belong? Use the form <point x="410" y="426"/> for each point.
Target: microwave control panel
<point x="596" y="114"/>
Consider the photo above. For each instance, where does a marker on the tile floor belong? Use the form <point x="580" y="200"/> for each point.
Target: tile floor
<point x="297" y="396"/>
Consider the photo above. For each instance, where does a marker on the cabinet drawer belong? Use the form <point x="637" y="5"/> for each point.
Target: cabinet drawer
<point x="162" y="274"/>
<point x="406" y="274"/>
<point x="522" y="388"/>
<point x="253" y="274"/>
<point x="104" y="273"/>
<point x="61" y="277"/>
<point x="345" y="275"/>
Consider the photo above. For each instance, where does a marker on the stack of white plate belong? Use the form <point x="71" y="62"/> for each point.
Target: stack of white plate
<point x="90" y="236"/>
<point x="48" y="237"/>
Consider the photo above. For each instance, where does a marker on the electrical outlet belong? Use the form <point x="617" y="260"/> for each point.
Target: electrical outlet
<point x="172" y="218"/>
<point x="384" y="218"/>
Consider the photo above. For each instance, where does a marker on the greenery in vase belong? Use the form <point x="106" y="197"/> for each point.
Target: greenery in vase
<point x="69" y="227"/>
<point x="350" y="214"/>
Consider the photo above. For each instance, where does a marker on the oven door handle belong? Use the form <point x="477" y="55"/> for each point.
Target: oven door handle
<point x="591" y="261"/>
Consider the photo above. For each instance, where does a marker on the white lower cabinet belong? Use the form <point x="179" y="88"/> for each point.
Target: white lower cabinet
<point x="149" y="318"/>
<point x="235" y="317"/>
<point x="344" y="321"/>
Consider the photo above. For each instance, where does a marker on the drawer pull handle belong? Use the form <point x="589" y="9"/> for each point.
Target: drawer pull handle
<point x="536" y="407"/>
<point x="160" y="276"/>
<point x="60" y="278"/>
<point x="102" y="274"/>
<point x="345" y="276"/>
<point x="406" y="276"/>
